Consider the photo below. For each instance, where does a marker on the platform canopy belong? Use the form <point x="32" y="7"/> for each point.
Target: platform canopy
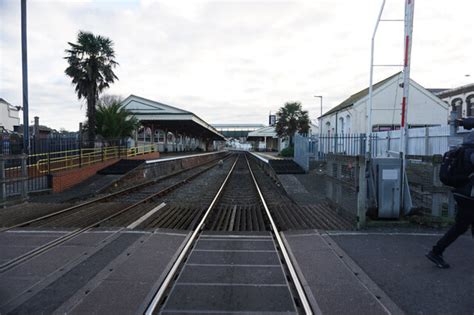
<point x="268" y="132"/>
<point x="236" y="130"/>
<point x="165" y="117"/>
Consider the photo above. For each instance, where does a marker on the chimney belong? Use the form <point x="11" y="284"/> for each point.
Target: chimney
<point x="36" y="127"/>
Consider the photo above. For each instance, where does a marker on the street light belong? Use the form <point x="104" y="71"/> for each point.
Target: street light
<point x="321" y="97"/>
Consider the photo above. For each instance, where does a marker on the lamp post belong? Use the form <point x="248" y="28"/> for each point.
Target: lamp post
<point x="24" y="64"/>
<point x="320" y="97"/>
<point x="321" y="113"/>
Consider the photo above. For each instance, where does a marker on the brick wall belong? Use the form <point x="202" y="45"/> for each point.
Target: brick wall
<point x="66" y="179"/>
<point x="63" y="180"/>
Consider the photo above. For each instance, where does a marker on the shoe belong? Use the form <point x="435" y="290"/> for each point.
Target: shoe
<point x="438" y="260"/>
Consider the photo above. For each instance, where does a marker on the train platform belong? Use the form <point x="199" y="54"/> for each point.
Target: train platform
<point x="111" y="175"/>
<point x="268" y="155"/>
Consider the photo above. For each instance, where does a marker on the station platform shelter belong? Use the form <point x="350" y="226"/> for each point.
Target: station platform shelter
<point x="171" y="129"/>
<point x="266" y="139"/>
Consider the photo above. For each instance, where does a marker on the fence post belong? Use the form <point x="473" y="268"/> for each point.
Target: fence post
<point x="361" y="193"/>
<point x="49" y="157"/>
<point x="338" y="194"/>
<point x="24" y="174"/>
<point x="3" y="178"/>
<point x="80" y="152"/>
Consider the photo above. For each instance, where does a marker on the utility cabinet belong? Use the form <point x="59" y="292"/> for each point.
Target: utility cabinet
<point x="387" y="178"/>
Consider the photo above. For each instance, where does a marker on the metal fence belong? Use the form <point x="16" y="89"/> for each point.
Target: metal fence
<point x="306" y="149"/>
<point x="20" y="173"/>
<point x="421" y="142"/>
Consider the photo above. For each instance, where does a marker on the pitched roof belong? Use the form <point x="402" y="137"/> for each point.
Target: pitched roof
<point x="264" y="132"/>
<point x="358" y="96"/>
<point x="144" y="105"/>
<point x="456" y="91"/>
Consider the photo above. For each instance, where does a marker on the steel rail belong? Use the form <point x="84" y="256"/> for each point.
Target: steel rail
<point x="294" y="276"/>
<point x="111" y="195"/>
<point x="172" y="272"/>
<point x="45" y="247"/>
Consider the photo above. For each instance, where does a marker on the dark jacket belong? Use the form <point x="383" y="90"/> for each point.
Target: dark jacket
<point x="467" y="191"/>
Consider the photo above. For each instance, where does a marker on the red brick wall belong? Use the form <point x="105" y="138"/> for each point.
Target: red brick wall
<point x="63" y="180"/>
<point x="66" y="179"/>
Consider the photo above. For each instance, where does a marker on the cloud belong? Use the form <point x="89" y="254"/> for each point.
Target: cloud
<point x="229" y="61"/>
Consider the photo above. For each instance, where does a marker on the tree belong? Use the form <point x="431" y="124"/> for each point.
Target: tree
<point x="291" y="118"/>
<point x="91" y="63"/>
<point x="114" y="121"/>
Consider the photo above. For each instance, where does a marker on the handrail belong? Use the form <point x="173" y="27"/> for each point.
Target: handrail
<point x="67" y="159"/>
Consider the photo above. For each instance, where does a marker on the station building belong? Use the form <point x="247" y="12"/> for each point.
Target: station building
<point x="424" y="109"/>
<point x="461" y="98"/>
<point x="267" y="139"/>
<point x="171" y="129"/>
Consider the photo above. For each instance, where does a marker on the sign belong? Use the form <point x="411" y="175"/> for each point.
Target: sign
<point x="271" y="120"/>
<point x="390" y="174"/>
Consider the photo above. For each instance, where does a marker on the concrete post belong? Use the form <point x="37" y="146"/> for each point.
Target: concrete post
<point x="338" y="183"/>
<point x="361" y="193"/>
<point x="330" y="187"/>
<point x="427" y="141"/>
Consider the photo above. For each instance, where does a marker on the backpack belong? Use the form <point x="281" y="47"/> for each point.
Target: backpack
<point x="455" y="170"/>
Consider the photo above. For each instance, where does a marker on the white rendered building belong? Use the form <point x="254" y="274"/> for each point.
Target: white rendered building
<point x="9" y="115"/>
<point x="424" y="109"/>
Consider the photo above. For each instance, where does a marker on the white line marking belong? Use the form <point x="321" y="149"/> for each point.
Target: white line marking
<point x="146" y="216"/>
<point x="235" y="236"/>
<point x="381" y="233"/>
<point x="235" y="251"/>
<point x="180" y="157"/>
<point x="234" y="265"/>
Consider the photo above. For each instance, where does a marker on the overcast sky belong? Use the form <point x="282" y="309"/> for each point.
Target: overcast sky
<point x="231" y="61"/>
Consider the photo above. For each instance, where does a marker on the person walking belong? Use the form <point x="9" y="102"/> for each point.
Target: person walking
<point x="464" y="197"/>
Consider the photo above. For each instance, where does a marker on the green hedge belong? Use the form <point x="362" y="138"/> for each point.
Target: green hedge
<point x="287" y="152"/>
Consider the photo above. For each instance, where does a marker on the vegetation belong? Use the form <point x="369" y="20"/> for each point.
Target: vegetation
<point x="291" y="118"/>
<point x="113" y="120"/>
<point x="287" y="152"/>
<point x="91" y="63"/>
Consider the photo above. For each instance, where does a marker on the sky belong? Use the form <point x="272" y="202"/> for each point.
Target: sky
<point x="231" y="61"/>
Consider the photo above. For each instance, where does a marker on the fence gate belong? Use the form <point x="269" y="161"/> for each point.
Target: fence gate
<point x="306" y="148"/>
<point x="13" y="176"/>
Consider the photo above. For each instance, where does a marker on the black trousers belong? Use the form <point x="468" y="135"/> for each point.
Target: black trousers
<point x="464" y="218"/>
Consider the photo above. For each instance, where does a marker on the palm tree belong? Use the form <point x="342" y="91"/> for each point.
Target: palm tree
<point x="291" y="118"/>
<point x="114" y="121"/>
<point x="91" y="62"/>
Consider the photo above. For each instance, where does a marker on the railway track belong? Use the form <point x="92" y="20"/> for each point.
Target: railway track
<point x="150" y="186"/>
<point x="90" y="217"/>
<point x="235" y="230"/>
